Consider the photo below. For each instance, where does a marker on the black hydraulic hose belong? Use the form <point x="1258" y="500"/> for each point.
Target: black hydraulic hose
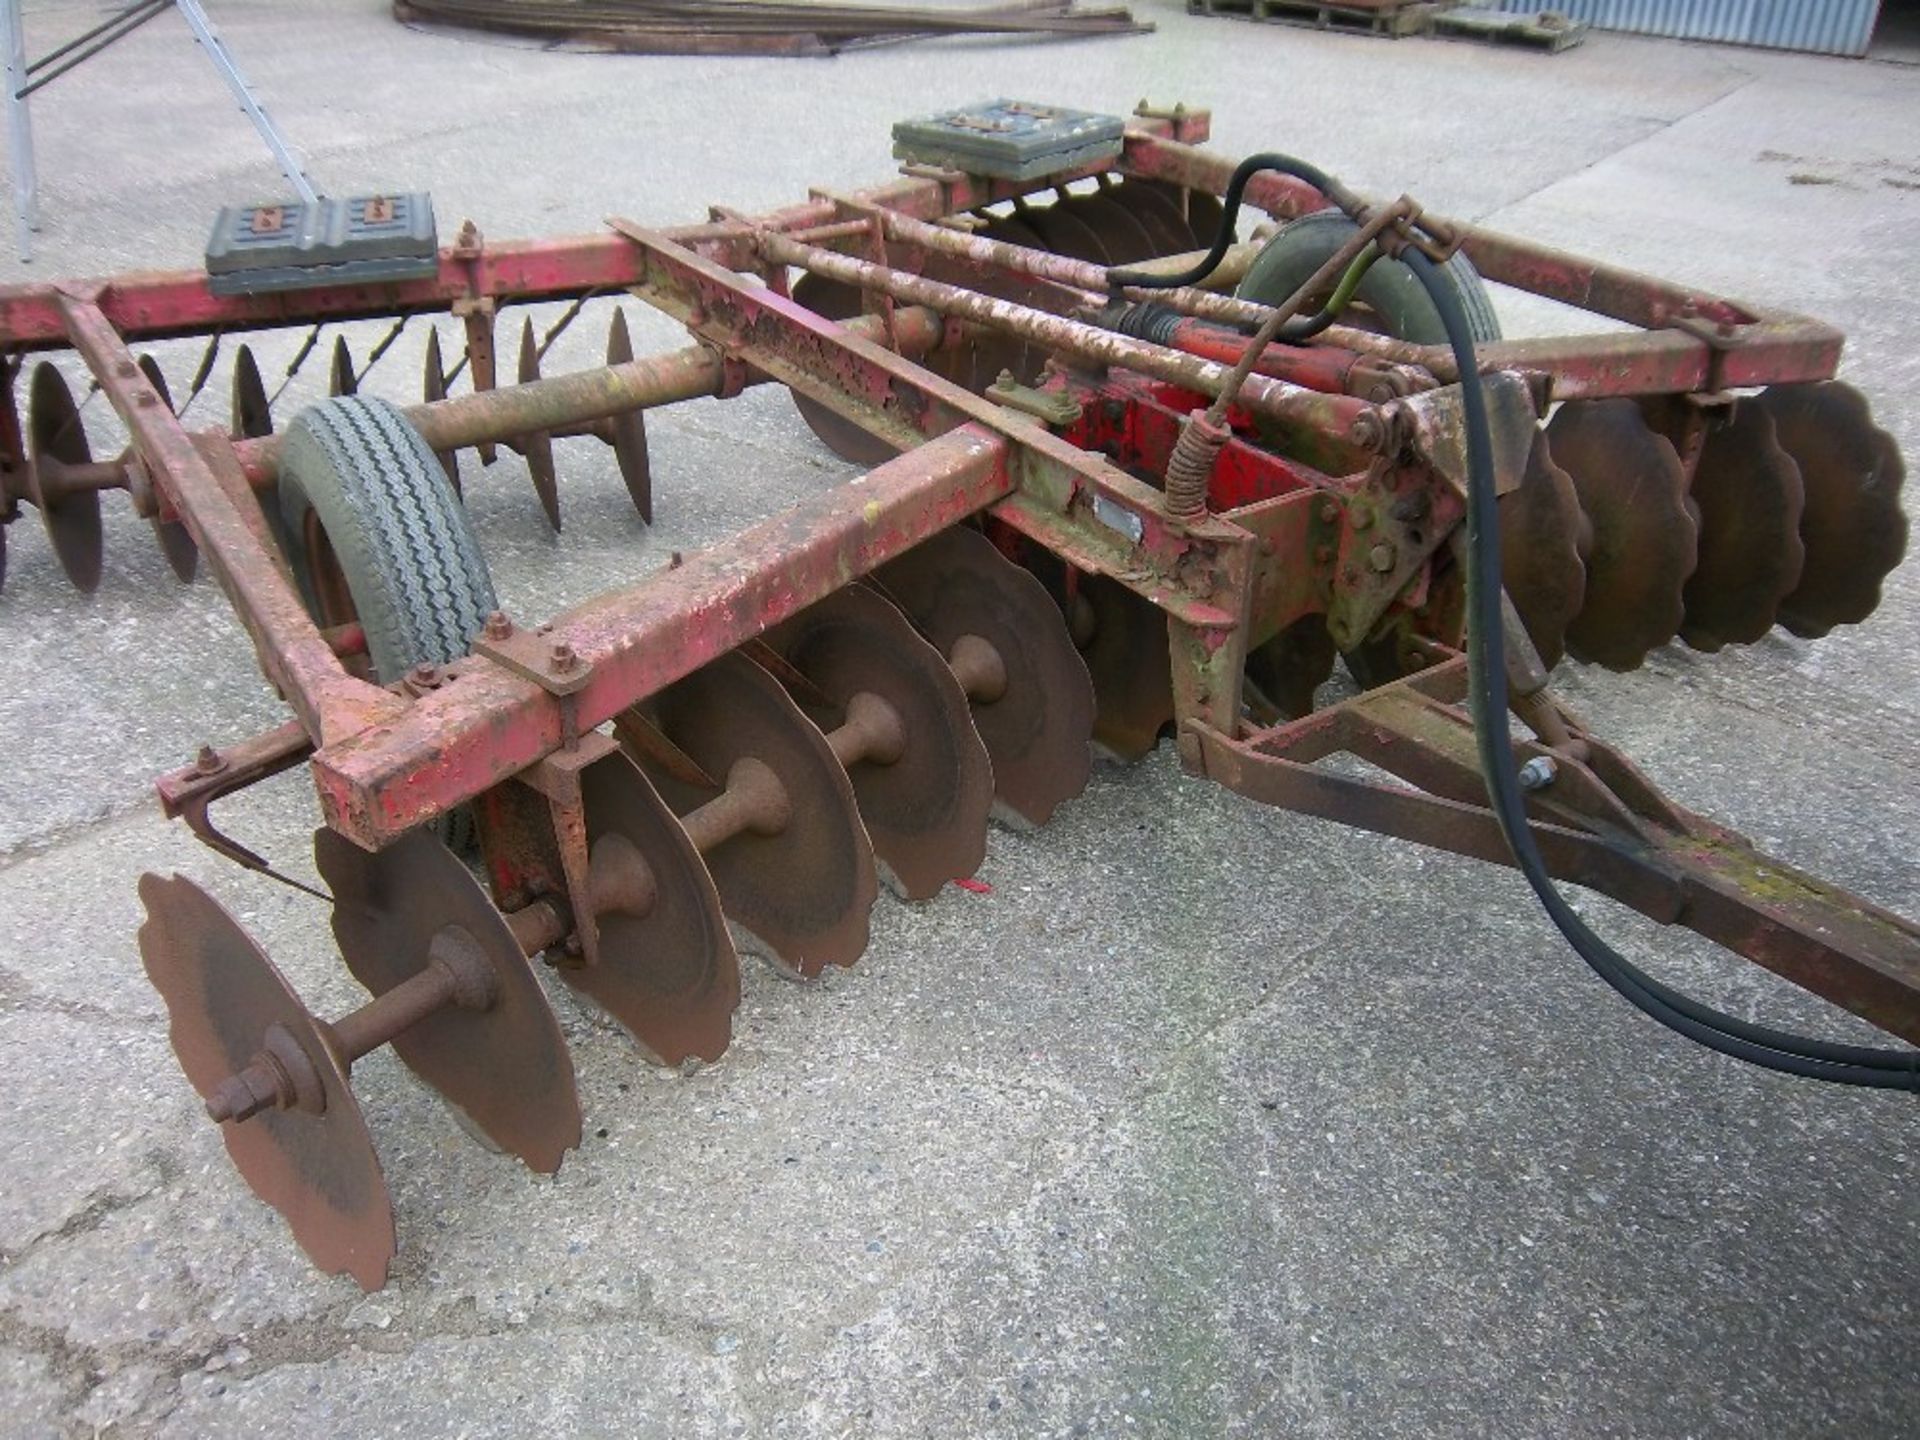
<point x="1313" y="175"/>
<point x="1757" y="1044"/>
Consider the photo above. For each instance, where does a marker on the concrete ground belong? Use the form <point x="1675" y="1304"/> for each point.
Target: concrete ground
<point x="1207" y="1119"/>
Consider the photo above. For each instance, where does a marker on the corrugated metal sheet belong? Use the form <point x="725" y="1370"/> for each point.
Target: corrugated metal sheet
<point x="1830" y="27"/>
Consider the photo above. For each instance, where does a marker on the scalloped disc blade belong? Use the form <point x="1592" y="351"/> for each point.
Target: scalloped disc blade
<point x="839" y="434"/>
<point x="1544" y="537"/>
<point x="55" y="437"/>
<point x="1290" y="667"/>
<point x="537" y="446"/>
<point x="176" y="541"/>
<point x="433" y="386"/>
<point x="1633" y="489"/>
<point x="802" y="894"/>
<point x="1037" y="724"/>
<point x="1127" y="654"/>
<point x="630" y="428"/>
<point x="667" y="969"/>
<point x="1121" y="235"/>
<point x="1166" y="227"/>
<point x="340" y="377"/>
<point x="252" y="412"/>
<point x="1853" y="527"/>
<point x="926" y="808"/>
<point x="505" y="1067"/>
<point x="319" y="1170"/>
<point x="1751" y="499"/>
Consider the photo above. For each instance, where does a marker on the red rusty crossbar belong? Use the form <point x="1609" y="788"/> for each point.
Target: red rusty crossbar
<point x="156" y="304"/>
<point x="486" y="723"/>
<point x="1723" y="343"/>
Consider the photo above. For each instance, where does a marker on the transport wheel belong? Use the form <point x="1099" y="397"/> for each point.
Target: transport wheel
<point x="377" y="536"/>
<point x="1389" y="290"/>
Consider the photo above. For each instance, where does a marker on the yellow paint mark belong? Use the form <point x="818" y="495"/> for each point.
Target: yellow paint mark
<point x="872" y="512"/>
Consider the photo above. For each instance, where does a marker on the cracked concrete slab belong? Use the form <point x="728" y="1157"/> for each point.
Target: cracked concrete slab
<point x="1204" y="1119"/>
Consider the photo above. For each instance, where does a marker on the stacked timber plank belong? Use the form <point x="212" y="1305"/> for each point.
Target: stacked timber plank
<point x="757" y="27"/>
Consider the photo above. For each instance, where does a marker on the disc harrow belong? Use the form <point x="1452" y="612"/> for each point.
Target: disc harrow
<point x="1121" y="482"/>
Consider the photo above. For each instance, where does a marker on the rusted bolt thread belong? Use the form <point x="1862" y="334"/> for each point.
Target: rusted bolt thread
<point x="1190" y="466"/>
<point x="979" y="668"/>
<point x="872" y="734"/>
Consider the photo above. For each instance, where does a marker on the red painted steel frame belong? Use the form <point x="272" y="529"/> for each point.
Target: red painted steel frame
<point x="386" y="763"/>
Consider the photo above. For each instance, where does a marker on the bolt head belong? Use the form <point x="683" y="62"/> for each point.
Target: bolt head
<point x="1382" y="557"/>
<point x="1538" y="773"/>
<point x="1330" y="511"/>
<point x="209" y="761"/>
<point x="499" y="627"/>
<point x="561" y="656"/>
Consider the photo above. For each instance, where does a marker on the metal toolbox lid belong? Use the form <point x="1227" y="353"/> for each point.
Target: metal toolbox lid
<point x="289" y="234"/>
<point x="1010" y="139"/>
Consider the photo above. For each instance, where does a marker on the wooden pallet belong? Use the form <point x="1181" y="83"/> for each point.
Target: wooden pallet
<point x="1391" y="18"/>
<point x="1550" y="32"/>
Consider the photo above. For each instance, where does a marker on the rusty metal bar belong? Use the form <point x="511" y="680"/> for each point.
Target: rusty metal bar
<point x="158" y="304"/>
<point x="486" y="722"/>
<point x="559" y="401"/>
<point x="1274" y="398"/>
<point x="293" y="654"/>
<point x="1603" y="826"/>
<point x="1748" y="345"/>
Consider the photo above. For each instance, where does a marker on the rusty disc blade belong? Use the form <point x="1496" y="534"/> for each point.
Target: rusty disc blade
<point x="630" y="428"/>
<point x="506" y="1067"/>
<point x="1293" y="664"/>
<point x="1853" y="527"/>
<point x="537" y="445"/>
<point x="433" y="386"/>
<point x="1063" y="232"/>
<point x="176" y="541"/>
<point x="1121" y="236"/>
<point x="1037" y="727"/>
<point x="318" y="1169"/>
<point x="1159" y="216"/>
<point x="1544" y="537"/>
<point x="340" y="377"/>
<point x="925" y="809"/>
<point x="839" y="434"/>
<point x="252" y="413"/>
<point x="1633" y="489"/>
<point x="1750" y="499"/>
<point x="1127" y="655"/>
<point x="55" y="437"/>
<point x="802" y="894"/>
<point x="669" y="973"/>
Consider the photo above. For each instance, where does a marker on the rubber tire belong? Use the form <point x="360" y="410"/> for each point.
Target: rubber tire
<point x="399" y="534"/>
<point x="1299" y="248"/>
